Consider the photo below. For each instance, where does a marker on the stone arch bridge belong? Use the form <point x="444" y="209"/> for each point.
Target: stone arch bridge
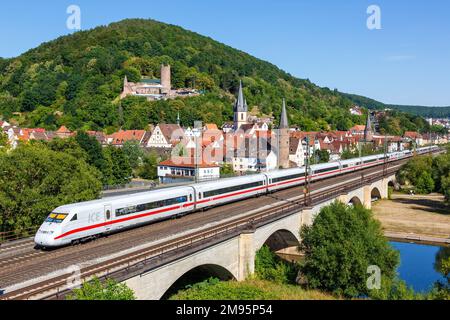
<point x="234" y="258"/>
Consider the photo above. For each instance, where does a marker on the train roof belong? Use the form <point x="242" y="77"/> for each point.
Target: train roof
<point x="129" y="197"/>
<point x="250" y="177"/>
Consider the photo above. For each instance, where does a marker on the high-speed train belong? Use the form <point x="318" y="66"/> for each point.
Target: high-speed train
<point x="77" y="222"/>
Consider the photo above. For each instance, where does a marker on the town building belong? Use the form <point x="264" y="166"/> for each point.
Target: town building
<point x="185" y="169"/>
<point x="165" y="135"/>
<point x="118" y="139"/>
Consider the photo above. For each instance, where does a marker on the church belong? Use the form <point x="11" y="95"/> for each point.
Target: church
<point x="278" y="140"/>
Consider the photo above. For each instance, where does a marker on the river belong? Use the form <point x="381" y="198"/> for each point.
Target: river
<point x="417" y="265"/>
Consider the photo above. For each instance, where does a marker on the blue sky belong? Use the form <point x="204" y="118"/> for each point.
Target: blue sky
<point x="326" y="41"/>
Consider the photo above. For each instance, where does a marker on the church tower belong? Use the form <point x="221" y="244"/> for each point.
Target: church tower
<point x="240" y="109"/>
<point x="368" y="133"/>
<point x="283" y="155"/>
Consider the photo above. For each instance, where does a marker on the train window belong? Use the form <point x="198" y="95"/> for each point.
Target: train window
<point x="190" y="197"/>
<point x="74" y="218"/>
<point x="232" y="189"/>
<point x="108" y="214"/>
<point x="199" y="195"/>
<point x="56" y="217"/>
<point x="294" y="176"/>
<point x="151" y="205"/>
<point x="326" y="169"/>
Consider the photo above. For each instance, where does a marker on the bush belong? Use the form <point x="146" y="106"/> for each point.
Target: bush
<point x="425" y="183"/>
<point x="96" y="290"/>
<point x="268" y="266"/>
<point x="339" y="247"/>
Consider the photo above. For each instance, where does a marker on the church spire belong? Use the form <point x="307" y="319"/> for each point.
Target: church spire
<point x="368" y="128"/>
<point x="284" y="124"/>
<point x="241" y="103"/>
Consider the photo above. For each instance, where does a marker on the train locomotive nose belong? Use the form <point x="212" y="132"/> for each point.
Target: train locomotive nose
<point x="44" y="238"/>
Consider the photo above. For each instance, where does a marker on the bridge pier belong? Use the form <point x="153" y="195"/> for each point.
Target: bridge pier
<point x="367" y="201"/>
<point x="343" y="198"/>
<point x="246" y="263"/>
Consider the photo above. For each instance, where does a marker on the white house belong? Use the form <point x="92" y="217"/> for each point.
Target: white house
<point x="184" y="169"/>
<point x="164" y="135"/>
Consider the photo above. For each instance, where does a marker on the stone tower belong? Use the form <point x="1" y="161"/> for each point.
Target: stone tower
<point x="283" y="155"/>
<point x="368" y="133"/>
<point x="166" y="82"/>
<point x="126" y="88"/>
<point x="240" y="109"/>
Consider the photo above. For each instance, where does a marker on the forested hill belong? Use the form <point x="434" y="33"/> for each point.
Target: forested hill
<point x="433" y="112"/>
<point x="75" y="80"/>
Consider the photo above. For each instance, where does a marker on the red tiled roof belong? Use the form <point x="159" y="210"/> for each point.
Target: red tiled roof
<point x="63" y="129"/>
<point x="119" y="138"/>
<point x="186" y="162"/>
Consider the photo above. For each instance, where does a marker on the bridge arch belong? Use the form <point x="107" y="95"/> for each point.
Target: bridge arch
<point x="196" y="275"/>
<point x="355" y="201"/>
<point x="280" y="239"/>
<point x="375" y="194"/>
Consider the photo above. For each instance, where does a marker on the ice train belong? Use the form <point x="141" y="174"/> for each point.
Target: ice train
<point x="85" y="220"/>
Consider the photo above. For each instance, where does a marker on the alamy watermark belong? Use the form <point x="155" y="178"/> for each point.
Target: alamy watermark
<point x="374" y="280"/>
<point x="374" y="19"/>
<point x="74" y="280"/>
<point x="73" y="22"/>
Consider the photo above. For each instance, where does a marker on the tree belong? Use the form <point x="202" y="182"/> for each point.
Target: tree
<point x="339" y="247"/>
<point x="418" y="167"/>
<point x="119" y="169"/>
<point x="441" y="290"/>
<point x="321" y="156"/>
<point x="445" y="183"/>
<point x="425" y="183"/>
<point x="92" y="148"/>
<point x="149" y="168"/>
<point x="268" y="266"/>
<point x="35" y="180"/>
<point x="3" y="140"/>
<point x="96" y="290"/>
<point x="134" y="153"/>
<point x="226" y="170"/>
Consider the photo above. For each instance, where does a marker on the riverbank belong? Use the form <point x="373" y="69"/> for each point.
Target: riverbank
<point x="420" y="218"/>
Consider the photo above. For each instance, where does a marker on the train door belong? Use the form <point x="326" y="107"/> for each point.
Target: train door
<point x="108" y="215"/>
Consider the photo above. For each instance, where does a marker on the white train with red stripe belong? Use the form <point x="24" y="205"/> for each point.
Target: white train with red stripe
<point x="86" y="220"/>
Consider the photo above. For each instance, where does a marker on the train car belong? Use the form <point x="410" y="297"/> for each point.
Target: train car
<point x="214" y="193"/>
<point x="325" y="170"/>
<point x="371" y="161"/>
<point x="74" y="222"/>
<point x="283" y="179"/>
<point x="80" y="221"/>
<point x="350" y="165"/>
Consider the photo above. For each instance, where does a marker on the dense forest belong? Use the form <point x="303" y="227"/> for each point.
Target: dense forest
<point x="75" y="80"/>
<point x="431" y="112"/>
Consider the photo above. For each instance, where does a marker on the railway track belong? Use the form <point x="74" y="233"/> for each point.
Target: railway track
<point x="125" y="265"/>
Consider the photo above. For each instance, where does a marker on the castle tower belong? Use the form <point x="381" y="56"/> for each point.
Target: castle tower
<point x="240" y="109"/>
<point x="166" y="81"/>
<point x="126" y="88"/>
<point x="283" y="154"/>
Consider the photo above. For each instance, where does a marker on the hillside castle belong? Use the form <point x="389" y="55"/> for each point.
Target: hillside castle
<point x="156" y="89"/>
